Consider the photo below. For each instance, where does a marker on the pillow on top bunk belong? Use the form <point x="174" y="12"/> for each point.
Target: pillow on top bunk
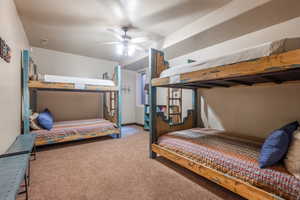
<point x="45" y="119"/>
<point x="292" y="160"/>
<point x="276" y="145"/>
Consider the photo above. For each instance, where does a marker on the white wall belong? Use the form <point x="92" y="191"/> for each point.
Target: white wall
<point x="60" y="63"/>
<point x="66" y="105"/>
<point x="139" y="114"/>
<point x="10" y="74"/>
<point x="71" y="105"/>
<point x="139" y="108"/>
<point x="251" y="111"/>
<point x="128" y="97"/>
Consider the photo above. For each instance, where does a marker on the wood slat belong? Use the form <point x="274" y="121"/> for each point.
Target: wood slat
<point x="272" y="79"/>
<point x="199" y="85"/>
<point x="268" y="84"/>
<point x="241" y="82"/>
<point x="235" y="185"/>
<point x="41" y="142"/>
<point x="69" y="86"/>
<point x="218" y="84"/>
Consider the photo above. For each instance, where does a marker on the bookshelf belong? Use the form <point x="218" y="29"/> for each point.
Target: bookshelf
<point x="159" y="108"/>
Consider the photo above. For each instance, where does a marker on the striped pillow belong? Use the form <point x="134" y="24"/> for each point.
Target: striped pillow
<point x="33" y="122"/>
<point x="292" y="160"/>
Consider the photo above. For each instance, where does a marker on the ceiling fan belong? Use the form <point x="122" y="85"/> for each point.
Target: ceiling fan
<point x="126" y="45"/>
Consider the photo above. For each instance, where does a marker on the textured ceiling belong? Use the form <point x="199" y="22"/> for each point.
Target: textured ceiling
<point x="79" y="27"/>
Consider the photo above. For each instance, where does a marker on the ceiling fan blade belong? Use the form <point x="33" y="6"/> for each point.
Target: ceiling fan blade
<point x="138" y="47"/>
<point x="139" y="40"/>
<point x="115" y="33"/>
<point x="111" y="43"/>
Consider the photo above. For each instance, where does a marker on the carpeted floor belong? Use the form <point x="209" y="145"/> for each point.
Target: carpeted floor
<point x="115" y="169"/>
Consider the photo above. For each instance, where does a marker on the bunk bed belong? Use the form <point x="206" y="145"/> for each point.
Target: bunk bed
<point x="66" y="131"/>
<point x="224" y="158"/>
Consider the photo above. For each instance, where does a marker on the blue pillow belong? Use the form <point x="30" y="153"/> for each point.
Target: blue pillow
<point x="290" y="129"/>
<point x="274" y="148"/>
<point x="45" y="120"/>
<point x="48" y="111"/>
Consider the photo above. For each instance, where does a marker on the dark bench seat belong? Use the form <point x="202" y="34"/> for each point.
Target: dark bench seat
<point x="23" y="143"/>
<point x="12" y="173"/>
<point x="14" y="165"/>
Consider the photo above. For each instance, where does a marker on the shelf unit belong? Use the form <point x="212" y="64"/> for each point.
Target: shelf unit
<point x="159" y="108"/>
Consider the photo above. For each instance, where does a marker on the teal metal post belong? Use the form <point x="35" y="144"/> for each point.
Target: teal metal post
<point x="152" y="101"/>
<point x="26" y="109"/>
<point x="119" y="95"/>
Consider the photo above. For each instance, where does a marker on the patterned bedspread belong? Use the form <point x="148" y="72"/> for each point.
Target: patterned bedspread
<point x="69" y="129"/>
<point x="232" y="156"/>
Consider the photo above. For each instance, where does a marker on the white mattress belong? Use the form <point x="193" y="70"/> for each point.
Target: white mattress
<point x="76" y="80"/>
<point x="262" y="50"/>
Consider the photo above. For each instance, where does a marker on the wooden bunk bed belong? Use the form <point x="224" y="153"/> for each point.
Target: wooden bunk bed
<point x="282" y="68"/>
<point x="72" y="130"/>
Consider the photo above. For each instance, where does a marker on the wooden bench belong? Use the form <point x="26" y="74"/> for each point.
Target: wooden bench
<point x="15" y="167"/>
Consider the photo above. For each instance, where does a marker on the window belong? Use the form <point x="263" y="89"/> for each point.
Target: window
<point x="142" y="87"/>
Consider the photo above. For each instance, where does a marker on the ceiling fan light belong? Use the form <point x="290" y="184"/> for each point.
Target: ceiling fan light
<point x="131" y="50"/>
<point x="120" y="49"/>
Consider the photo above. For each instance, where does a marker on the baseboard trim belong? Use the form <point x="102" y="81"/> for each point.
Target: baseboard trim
<point x="132" y="124"/>
<point x="142" y="125"/>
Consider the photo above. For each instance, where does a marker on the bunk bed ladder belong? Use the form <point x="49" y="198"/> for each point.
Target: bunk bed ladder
<point x="113" y="103"/>
<point x="175" y="105"/>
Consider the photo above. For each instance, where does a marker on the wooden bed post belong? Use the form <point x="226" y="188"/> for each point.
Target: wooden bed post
<point x="152" y="99"/>
<point x="159" y="125"/>
<point x="26" y="108"/>
<point x="119" y="97"/>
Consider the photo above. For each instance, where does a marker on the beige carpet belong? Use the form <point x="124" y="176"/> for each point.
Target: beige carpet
<point x="115" y="169"/>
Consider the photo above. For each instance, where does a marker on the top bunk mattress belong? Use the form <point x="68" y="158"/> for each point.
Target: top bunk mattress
<point x="266" y="49"/>
<point x="234" y="156"/>
<point x="75" y="80"/>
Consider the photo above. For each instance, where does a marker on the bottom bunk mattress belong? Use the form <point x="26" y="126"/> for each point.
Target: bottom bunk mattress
<point x="75" y="130"/>
<point x="233" y="156"/>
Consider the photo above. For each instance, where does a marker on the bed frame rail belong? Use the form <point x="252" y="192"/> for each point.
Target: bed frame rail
<point x="266" y="69"/>
<point x="235" y="185"/>
<point x="276" y="69"/>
